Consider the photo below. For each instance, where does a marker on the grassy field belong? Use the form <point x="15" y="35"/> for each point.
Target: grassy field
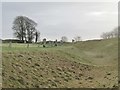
<point x="83" y="64"/>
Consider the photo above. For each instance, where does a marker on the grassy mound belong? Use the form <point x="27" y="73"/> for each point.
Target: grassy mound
<point x="83" y="64"/>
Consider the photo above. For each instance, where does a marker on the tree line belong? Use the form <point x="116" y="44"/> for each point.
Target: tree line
<point x="25" y="30"/>
<point x="112" y="34"/>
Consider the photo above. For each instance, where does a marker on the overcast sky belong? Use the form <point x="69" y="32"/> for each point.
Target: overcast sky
<point x="57" y="19"/>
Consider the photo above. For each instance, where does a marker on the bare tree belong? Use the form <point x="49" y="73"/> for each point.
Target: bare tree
<point x="30" y="29"/>
<point x="19" y="27"/>
<point x="116" y="32"/>
<point x="77" y="38"/>
<point x="24" y="28"/>
<point x="104" y="35"/>
<point x="64" y="39"/>
<point x="112" y="34"/>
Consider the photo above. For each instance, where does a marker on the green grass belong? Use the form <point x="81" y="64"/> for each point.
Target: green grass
<point x="104" y="52"/>
<point x="23" y="67"/>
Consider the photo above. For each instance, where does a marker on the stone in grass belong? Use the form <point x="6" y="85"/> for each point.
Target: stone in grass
<point x="108" y="73"/>
<point x="80" y="74"/>
<point x="104" y="85"/>
<point x="41" y="68"/>
<point x="36" y="64"/>
<point x="66" y="79"/>
<point x="20" y="69"/>
<point x="90" y="78"/>
<point x="69" y="78"/>
<point x="59" y="69"/>
<point x="29" y="62"/>
<point x="53" y="84"/>
<point x="29" y="58"/>
<point x="49" y="85"/>
<point x="80" y="82"/>
<point x="67" y="75"/>
<point x="41" y="75"/>
<point x="77" y="78"/>
<point x="70" y="70"/>
<point x="73" y="72"/>
<point x="105" y="76"/>
<point x="59" y="73"/>
<point x="53" y="71"/>
<point x="49" y="80"/>
<point x="3" y="73"/>
<point x="14" y="66"/>
<point x="11" y="85"/>
<point x="12" y="78"/>
<point x="119" y="81"/>
<point x="17" y="64"/>
<point x="57" y="81"/>
<point x="20" y="55"/>
<point x="115" y="86"/>
<point x="21" y="81"/>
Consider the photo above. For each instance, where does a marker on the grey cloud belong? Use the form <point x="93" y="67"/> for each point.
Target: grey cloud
<point x="55" y="19"/>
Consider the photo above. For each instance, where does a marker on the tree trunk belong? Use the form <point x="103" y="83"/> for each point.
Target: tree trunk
<point x="36" y="40"/>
